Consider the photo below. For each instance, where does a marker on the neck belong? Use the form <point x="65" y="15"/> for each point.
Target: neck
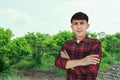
<point x="80" y="37"/>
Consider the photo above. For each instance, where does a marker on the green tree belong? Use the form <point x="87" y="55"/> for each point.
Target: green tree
<point x="112" y="43"/>
<point x="36" y="42"/>
<point x="5" y="38"/>
<point x="62" y="36"/>
<point x="92" y="35"/>
<point x="18" y="49"/>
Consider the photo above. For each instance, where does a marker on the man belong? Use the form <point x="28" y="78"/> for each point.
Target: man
<point x="81" y="56"/>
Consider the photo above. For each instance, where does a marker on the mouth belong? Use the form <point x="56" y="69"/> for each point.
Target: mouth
<point x="79" y="30"/>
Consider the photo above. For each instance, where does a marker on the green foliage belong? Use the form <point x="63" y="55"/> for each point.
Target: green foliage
<point x="2" y="64"/>
<point x="48" y="61"/>
<point x="5" y="38"/>
<point x="110" y="50"/>
<point x="48" y="64"/>
<point x="15" y="77"/>
<point x="62" y="36"/>
<point x="109" y="60"/>
<point x="117" y="35"/>
<point x="36" y="43"/>
<point x="104" y="66"/>
<point x="38" y="51"/>
<point x="25" y="63"/>
<point x="112" y="42"/>
<point x="18" y="49"/>
<point x="104" y="52"/>
<point x="92" y="35"/>
<point x="10" y="71"/>
<point x="50" y="45"/>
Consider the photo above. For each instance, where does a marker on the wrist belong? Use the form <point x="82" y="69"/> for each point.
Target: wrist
<point x="79" y="63"/>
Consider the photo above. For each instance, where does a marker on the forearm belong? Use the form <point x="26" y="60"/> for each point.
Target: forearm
<point x="89" y="69"/>
<point x="91" y="59"/>
<point x="61" y="62"/>
<point x="73" y="63"/>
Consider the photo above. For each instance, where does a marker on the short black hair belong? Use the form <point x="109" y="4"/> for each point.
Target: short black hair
<point x="79" y="16"/>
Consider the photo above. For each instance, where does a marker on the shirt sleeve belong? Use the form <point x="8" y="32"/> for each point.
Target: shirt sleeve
<point x="61" y="62"/>
<point x="91" y="69"/>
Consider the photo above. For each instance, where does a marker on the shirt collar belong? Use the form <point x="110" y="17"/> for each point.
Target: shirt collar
<point x="83" y="40"/>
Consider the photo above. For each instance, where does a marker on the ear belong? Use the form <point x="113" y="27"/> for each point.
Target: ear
<point x="88" y="26"/>
<point x="71" y="27"/>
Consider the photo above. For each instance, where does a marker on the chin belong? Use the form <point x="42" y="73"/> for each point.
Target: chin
<point x="79" y="34"/>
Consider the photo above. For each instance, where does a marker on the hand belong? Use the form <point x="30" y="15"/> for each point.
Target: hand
<point x="64" y="54"/>
<point x="91" y="59"/>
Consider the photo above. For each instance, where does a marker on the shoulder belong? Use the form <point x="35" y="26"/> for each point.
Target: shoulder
<point x="93" y="40"/>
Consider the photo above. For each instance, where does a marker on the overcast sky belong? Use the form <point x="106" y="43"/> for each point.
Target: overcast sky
<point x="52" y="16"/>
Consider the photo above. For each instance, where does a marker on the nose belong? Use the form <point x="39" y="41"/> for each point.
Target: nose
<point x="79" y="26"/>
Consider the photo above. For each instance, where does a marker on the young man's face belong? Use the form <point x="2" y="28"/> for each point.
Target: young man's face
<point x="79" y="27"/>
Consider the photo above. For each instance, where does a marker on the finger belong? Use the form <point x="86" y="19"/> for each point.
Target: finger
<point x="63" y="56"/>
<point x="62" y="53"/>
<point x="66" y="52"/>
<point x="97" y="59"/>
<point x="94" y="56"/>
<point x="94" y="61"/>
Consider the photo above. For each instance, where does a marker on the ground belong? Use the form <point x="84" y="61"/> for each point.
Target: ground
<point x="41" y="75"/>
<point x="112" y="73"/>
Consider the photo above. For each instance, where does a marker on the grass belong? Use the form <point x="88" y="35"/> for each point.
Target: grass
<point x="11" y="74"/>
<point x="25" y="63"/>
<point x="14" y="78"/>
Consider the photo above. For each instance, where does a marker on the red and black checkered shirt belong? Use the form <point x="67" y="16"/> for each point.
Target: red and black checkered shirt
<point x="80" y="50"/>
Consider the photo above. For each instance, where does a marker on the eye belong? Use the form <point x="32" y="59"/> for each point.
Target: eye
<point x="82" y="23"/>
<point x="75" y="23"/>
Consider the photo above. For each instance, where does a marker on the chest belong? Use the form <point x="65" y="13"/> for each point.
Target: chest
<point x="78" y="51"/>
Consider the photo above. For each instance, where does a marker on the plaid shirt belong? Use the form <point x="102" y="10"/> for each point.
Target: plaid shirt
<point x="80" y="50"/>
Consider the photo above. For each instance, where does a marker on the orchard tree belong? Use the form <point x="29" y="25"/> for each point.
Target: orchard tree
<point x="92" y="35"/>
<point x="112" y="43"/>
<point x="36" y="42"/>
<point x="5" y="38"/>
<point x="62" y="36"/>
<point x="18" y="49"/>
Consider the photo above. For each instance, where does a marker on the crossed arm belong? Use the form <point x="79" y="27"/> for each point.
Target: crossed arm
<point x="89" y="64"/>
<point x="90" y="59"/>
